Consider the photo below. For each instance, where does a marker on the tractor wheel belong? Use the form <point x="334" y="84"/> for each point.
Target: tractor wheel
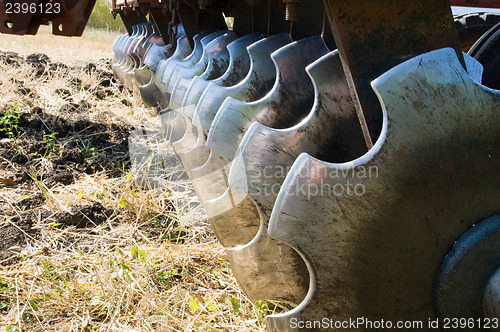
<point x="472" y="26"/>
<point x="487" y="51"/>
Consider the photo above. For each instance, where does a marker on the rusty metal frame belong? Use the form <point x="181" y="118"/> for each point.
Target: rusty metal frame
<point x="70" y="21"/>
<point x="373" y="37"/>
<point x="136" y="11"/>
<point x="476" y="3"/>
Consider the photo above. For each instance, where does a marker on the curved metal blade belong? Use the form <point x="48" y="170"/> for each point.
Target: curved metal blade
<point x="366" y="222"/>
<point x="239" y="60"/>
<point x="174" y="124"/>
<point x="291" y="96"/>
<point x="150" y="93"/>
<point x="331" y="132"/>
<point x="241" y="230"/>
<point x="238" y="67"/>
<point x="118" y="51"/>
<point x="207" y="169"/>
<point x="262" y="162"/>
<point x="192" y="148"/>
<point x="135" y="56"/>
<point x="156" y="50"/>
<point x="293" y="78"/>
<point x="155" y="53"/>
<point x="255" y="85"/>
<point x="175" y="71"/>
<point x="120" y="48"/>
<point x="188" y="139"/>
<point x="130" y="58"/>
<point x="195" y="158"/>
<point x="167" y="67"/>
<point x="210" y="179"/>
<point x="216" y="63"/>
<point x="123" y="48"/>
<point x="266" y="275"/>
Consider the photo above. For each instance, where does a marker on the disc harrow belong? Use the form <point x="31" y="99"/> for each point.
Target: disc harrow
<point x="346" y="153"/>
<point x="256" y="119"/>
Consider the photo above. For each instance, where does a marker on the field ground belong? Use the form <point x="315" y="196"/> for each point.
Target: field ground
<point x="83" y="246"/>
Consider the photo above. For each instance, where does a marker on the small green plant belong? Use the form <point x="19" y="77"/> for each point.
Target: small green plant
<point x="234" y="302"/>
<point x="261" y="308"/>
<point x="10" y="121"/>
<point x="194" y="304"/>
<point x="123" y="203"/>
<point x="166" y="277"/>
<point x="89" y="152"/>
<point x="11" y="328"/>
<point x="138" y="255"/>
<point x="50" y="141"/>
<point x="211" y="305"/>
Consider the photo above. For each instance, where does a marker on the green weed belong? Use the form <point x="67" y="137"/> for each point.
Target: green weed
<point x="50" y="141"/>
<point x="10" y="121"/>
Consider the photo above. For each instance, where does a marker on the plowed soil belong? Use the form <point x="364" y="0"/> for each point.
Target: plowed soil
<point x="57" y="144"/>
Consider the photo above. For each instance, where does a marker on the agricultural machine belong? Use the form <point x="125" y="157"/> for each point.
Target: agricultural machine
<point x="346" y="152"/>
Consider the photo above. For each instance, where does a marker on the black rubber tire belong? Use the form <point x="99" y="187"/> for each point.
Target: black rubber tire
<point x="487" y="51"/>
<point x="472" y="26"/>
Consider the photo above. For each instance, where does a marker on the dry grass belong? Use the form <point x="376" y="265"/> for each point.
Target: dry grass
<point x="152" y="265"/>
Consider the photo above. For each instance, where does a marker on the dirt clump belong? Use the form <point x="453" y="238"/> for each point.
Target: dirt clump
<point x="38" y="62"/>
<point x="84" y="215"/>
<point x="11" y="58"/>
<point x="18" y="231"/>
<point x="13" y="237"/>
